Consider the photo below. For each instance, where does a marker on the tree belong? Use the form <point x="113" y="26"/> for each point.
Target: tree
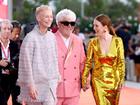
<point x="122" y="10"/>
<point x="69" y="4"/>
<point x="24" y="9"/>
<point x="95" y="7"/>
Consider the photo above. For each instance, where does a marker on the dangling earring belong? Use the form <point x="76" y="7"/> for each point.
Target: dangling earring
<point x="104" y="31"/>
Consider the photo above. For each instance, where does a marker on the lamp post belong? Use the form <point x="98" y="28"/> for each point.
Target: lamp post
<point x="10" y="9"/>
<point x="82" y="8"/>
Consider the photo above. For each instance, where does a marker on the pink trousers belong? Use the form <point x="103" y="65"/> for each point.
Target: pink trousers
<point x="68" y="101"/>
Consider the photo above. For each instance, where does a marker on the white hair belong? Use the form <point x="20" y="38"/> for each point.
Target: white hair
<point x="6" y="21"/>
<point x="65" y="13"/>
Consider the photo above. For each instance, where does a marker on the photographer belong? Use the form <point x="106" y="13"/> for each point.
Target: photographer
<point x="8" y="62"/>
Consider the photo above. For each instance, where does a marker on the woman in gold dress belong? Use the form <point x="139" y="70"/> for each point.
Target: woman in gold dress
<point x="106" y="55"/>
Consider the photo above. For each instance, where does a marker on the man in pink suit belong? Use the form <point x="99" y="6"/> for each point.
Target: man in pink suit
<point x="71" y="59"/>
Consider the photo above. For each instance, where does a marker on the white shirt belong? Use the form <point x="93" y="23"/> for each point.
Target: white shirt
<point x="5" y="53"/>
<point x="82" y="36"/>
<point x="66" y="40"/>
<point x="5" y="50"/>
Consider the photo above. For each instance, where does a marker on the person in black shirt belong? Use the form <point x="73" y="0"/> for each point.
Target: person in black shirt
<point x="8" y="62"/>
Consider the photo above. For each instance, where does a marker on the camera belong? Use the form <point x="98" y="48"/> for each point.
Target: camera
<point x="9" y="67"/>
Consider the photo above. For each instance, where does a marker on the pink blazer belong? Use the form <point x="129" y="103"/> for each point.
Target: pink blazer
<point x="71" y="63"/>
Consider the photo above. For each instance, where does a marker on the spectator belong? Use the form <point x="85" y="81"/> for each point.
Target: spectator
<point x="8" y="62"/>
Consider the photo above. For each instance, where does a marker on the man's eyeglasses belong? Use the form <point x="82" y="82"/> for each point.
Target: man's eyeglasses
<point x="66" y="23"/>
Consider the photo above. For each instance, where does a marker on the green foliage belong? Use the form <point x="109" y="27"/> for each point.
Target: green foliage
<point x="28" y="12"/>
<point x="25" y="13"/>
<point x="95" y="7"/>
<point x="85" y="24"/>
<point x="120" y="10"/>
<point x="39" y="2"/>
<point x="69" y="4"/>
<point x="114" y="8"/>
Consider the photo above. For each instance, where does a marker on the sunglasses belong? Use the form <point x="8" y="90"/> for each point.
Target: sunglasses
<point x="66" y="23"/>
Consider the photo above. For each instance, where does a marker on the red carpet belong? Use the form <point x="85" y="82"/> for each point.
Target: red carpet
<point x="129" y="96"/>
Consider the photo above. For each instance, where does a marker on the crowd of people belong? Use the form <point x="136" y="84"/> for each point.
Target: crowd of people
<point x="51" y="66"/>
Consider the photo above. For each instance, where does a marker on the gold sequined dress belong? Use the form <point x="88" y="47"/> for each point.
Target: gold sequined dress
<point x="108" y="71"/>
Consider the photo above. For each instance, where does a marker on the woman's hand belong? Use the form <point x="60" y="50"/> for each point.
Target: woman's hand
<point x="3" y="63"/>
<point x="87" y="86"/>
<point x="33" y="92"/>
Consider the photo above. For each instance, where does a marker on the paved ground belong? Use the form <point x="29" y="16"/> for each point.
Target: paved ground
<point x="129" y="95"/>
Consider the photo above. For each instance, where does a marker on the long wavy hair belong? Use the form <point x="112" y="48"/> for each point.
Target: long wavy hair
<point x="106" y="21"/>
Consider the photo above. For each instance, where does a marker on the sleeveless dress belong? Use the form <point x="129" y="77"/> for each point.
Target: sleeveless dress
<point x="107" y="71"/>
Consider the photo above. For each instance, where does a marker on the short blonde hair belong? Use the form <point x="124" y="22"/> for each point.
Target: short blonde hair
<point x="41" y="8"/>
<point x="64" y="13"/>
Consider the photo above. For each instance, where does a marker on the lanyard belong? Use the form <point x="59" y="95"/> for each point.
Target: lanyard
<point x="6" y="55"/>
